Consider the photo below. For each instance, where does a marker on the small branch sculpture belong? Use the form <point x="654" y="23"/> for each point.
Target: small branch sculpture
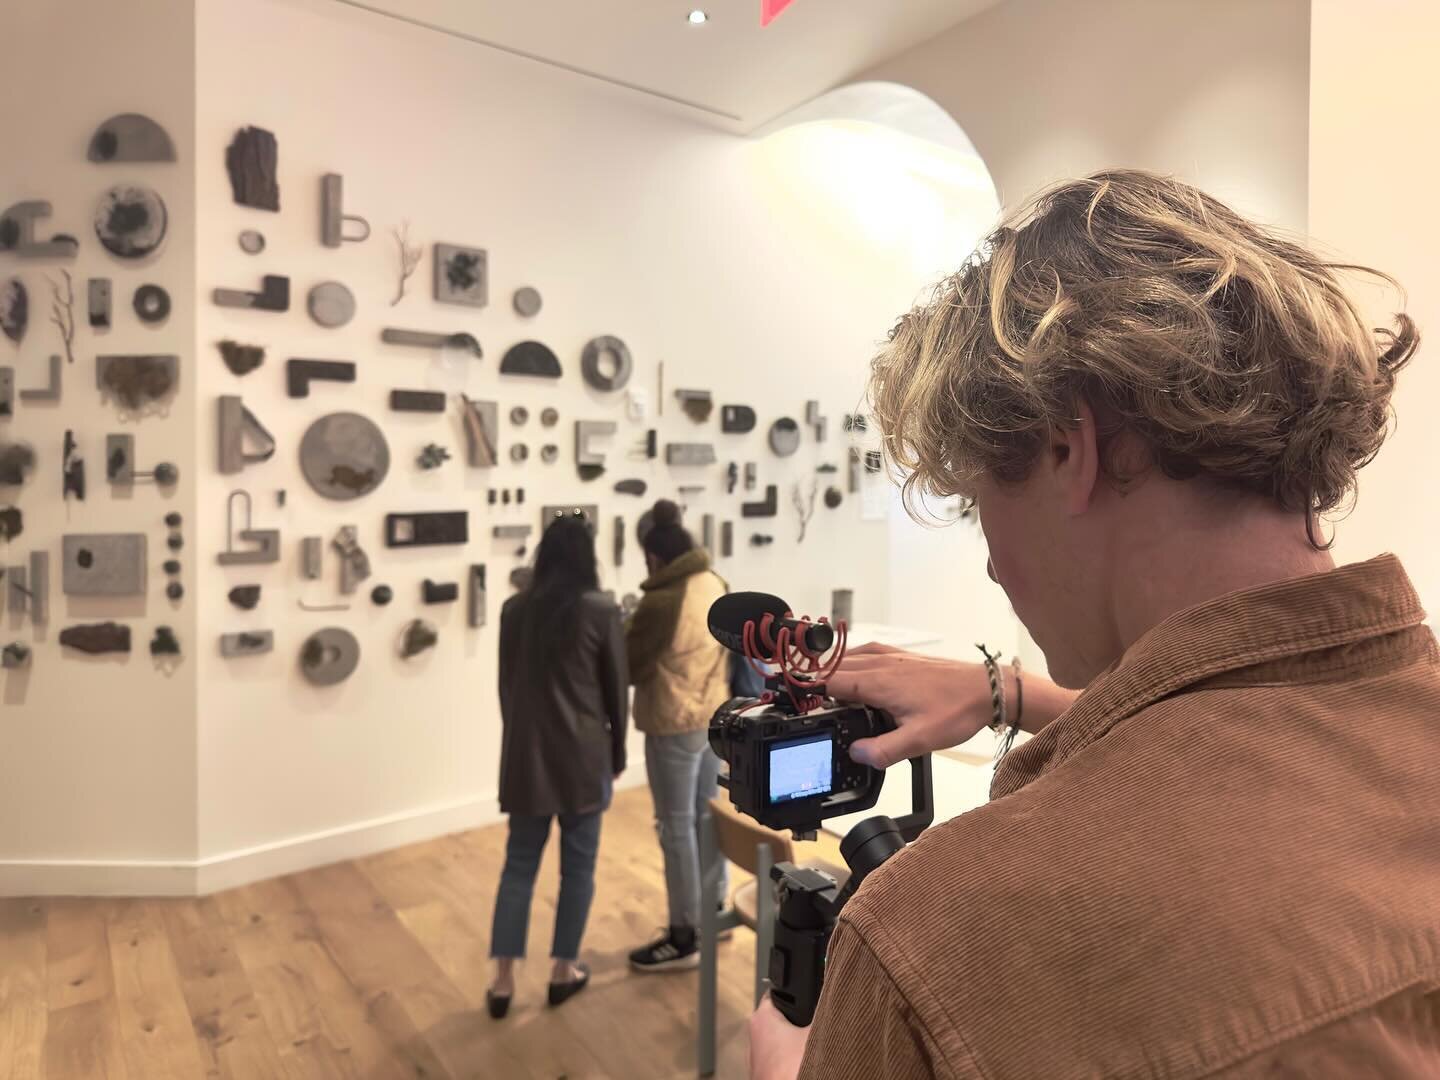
<point x="804" y="506"/>
<point x="62" y="313"/>
<point x="409" y="259"/>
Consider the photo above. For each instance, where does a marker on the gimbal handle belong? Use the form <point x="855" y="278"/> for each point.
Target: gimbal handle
<point x="922" y="799"/>
<point x="809" y="909"/>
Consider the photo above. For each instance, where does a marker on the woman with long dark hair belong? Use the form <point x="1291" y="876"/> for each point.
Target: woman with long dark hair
<point x="563" y="705"/>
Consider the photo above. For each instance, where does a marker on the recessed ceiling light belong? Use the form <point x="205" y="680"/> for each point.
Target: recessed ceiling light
<point x="696" y="17"/>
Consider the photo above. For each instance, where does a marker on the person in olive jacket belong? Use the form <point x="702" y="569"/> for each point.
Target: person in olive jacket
<point x="563" y="703"/>
<point x="681" y="676"/>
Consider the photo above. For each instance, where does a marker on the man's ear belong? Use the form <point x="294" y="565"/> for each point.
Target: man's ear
<point x="1075" y="460"/>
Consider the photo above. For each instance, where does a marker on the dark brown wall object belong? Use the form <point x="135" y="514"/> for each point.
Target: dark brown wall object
<point x="273" y="295"/>
<point x="417" y="637"/>
<point x="439" y="592"/>
<point x="736" y="419"/>
<point x="97" y="638"/>
<point x="435" y="527"/>
<point x="531" y="358"/>
<point x="299" y="374"/>
<point x="417" y="400"/>
<point x="241" y="359"/>
<point x="98" y="298"/>
<point x="164" y="643"/>
<point x="766" y="507"/>
<point x="16" y="461"/>
<point x="251" y="160"/>
<point x="14" y="309"/>
<point x="245" y="597"/>
<point x="73" y="470"/>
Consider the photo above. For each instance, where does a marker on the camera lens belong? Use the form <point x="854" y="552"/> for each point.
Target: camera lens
<point x="869" y="844"/>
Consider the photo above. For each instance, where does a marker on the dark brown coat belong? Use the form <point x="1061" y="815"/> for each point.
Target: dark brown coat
<point x="563" y="709"/>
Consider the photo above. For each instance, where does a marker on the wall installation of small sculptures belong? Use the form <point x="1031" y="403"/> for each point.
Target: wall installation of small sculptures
<point x="38" y="295"/>
<point x="343" y="455"/>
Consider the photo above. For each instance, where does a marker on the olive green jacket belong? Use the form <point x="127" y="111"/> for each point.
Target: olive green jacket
<point x="680" y="673"/>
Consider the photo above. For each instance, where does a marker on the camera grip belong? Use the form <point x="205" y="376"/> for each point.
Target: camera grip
<point x="797" y="970"/>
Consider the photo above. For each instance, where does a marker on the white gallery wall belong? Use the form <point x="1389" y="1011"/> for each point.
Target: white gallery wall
<point x="1374" y="151"/>
<point x="97" y="754"/>
<point x="1215" y="92"/>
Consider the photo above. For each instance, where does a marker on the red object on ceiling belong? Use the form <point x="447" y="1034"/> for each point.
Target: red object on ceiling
<point x="770" y="8"/>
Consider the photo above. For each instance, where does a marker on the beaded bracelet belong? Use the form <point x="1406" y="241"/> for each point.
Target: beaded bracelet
<point x="1000" y="723"/>
<point x="997" y="689"/>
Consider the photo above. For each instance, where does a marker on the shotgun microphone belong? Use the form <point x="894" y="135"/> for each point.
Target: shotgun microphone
<point x="730" y="613"/>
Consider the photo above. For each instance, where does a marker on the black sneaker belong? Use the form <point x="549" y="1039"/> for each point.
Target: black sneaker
<point x="676" y="951"/>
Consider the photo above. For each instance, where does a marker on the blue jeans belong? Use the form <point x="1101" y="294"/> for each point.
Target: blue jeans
<point x="579" y="845"/>
<point x="682" y="770"/>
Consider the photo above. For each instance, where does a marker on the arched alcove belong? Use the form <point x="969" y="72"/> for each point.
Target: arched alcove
<point x="885" y="160"/>
<point x="888" y="163"/>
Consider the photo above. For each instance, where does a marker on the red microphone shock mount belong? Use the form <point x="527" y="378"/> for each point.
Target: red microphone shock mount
<point x="790" y="654"/>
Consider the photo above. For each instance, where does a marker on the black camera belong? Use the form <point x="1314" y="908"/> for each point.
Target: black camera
<point x="789" y="761"/>
<point x="792" y="771"/>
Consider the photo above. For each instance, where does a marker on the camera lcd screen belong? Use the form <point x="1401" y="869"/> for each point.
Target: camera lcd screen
<point x="801" y="768"/>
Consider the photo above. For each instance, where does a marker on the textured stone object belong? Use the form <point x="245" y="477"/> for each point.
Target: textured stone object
<point x="97" y="638"/>
<point x="251" y="160"/>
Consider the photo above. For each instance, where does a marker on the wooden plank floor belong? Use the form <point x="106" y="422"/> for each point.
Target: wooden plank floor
<point x="369" y="969"/>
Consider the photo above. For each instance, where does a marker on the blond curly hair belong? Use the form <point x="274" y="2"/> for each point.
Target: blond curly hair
<point x="1232" y="353"/>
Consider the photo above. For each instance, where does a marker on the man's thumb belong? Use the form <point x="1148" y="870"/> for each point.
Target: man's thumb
<point x="879" y="752"/>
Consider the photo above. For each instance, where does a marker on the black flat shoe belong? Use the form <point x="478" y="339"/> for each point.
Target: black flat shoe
<point x="563" y="992"/>
<point x="499" y="1004"/>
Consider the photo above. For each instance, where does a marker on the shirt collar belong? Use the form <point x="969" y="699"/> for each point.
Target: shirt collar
<point x="1238" y="630"/>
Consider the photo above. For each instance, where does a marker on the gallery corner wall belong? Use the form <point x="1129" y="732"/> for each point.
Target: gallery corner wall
<point x="127" y="776"/>
<point x="97" y="752"/>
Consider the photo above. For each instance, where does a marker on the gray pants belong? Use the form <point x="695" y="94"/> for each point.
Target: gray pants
<point x="682" y="770"/>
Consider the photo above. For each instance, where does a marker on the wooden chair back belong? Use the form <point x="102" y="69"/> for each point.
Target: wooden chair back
<point x="737" y="837"/>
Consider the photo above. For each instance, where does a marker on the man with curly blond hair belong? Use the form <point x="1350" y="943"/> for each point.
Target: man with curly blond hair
<point x="1222" y="856"/>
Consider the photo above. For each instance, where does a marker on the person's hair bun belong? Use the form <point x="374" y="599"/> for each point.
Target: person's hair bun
<point x="665" y="513"/>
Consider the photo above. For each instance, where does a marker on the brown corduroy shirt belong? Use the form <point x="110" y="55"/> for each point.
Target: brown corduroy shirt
<point x="1222" y="860"/>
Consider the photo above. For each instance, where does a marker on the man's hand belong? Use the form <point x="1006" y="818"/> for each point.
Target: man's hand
<point x="776" y="1045"/>
<point x="936" y="703"/>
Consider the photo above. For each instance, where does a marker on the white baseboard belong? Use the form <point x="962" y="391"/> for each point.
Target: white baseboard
<point x="228" y="870"/>
<point x="77" y="877"/>
<point x="293" y="854"/>
<point x="231" y="869"/>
